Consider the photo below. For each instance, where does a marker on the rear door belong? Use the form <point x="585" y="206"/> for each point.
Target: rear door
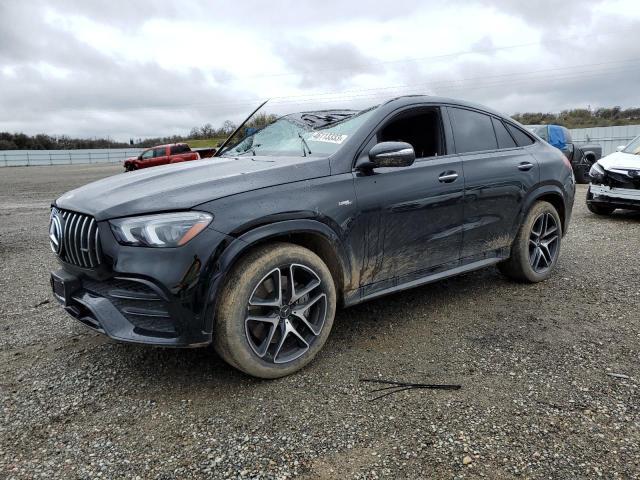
<point x="498" y="172"/>
<point x="177" y="153"/>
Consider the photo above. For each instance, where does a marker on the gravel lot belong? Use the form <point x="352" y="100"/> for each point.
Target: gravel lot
<point x="537" y="400"/>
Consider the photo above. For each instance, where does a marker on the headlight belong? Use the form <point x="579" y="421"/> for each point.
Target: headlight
<point x="597" y="172"/>
<point x="162" y="230"/>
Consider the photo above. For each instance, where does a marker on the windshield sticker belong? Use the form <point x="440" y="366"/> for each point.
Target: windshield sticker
<point x="328" y="137"/>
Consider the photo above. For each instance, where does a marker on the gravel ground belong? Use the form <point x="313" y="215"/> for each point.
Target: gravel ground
<point x="534" y="362"/>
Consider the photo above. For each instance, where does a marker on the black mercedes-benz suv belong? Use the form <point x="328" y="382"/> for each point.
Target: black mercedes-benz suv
<point x="253" y="250"/>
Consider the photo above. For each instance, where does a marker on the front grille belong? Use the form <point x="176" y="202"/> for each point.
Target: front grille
<point x="622" y="180"/>
<point x="80" y="239"/>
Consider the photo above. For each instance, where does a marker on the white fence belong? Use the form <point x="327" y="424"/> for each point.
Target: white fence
<point x="15" y="158"/>
<point x="608" y="137"/>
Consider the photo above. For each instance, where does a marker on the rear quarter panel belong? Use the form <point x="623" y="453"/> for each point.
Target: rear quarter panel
<point x="555" y="178"/>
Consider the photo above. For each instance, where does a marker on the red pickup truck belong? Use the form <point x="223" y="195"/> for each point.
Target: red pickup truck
<point x="164" y="154"/>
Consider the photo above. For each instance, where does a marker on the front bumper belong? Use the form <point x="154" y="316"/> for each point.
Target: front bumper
<point x="124" y="309"/>
<point x="616" y="197"/>
<point x="158" y="296"/>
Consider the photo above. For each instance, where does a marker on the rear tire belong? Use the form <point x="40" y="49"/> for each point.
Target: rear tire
<point x="263" y="326"/>
<point x="581" y="172"/>
<point x="536" y="248"/>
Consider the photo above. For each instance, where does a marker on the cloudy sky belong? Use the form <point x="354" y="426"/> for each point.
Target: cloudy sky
<point x="150" y="68"/>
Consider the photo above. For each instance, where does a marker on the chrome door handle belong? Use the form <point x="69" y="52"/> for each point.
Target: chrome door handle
<point x="525" y="166"/>
<point x="448" y="177"/>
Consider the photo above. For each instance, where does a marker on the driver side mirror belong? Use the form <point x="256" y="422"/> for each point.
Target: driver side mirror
<point x="390" y="154"/>
<point x="619" y="148"/>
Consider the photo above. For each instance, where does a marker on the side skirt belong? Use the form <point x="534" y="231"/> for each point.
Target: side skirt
<point x="358" y="295"/>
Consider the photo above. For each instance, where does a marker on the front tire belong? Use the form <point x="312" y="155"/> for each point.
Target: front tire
<point x="536" y="248"/>
<point x="276" y="311"/>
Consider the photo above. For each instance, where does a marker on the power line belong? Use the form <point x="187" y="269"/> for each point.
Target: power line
<point x="452" y="87"/>
<point x="419" y="88"/>
<point x="275" y="98"/>
<point x="443" y="56"/>
<point x="376" y="92"/>
<point x="468" y="79"/>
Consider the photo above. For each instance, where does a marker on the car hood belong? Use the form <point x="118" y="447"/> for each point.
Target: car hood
<point x="185" y="185"/>
<point x="621" y="160"/>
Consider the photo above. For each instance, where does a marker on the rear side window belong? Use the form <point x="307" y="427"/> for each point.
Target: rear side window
<point x="176" y="149"/>
<point x="504" y="138"/>
<point x="521" y="138"/>
<point x="472" y="131"/>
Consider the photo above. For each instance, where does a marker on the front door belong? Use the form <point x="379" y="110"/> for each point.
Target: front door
<point x="159" y="156"/>
<point x="411" y="216"/>
<point x="147" y="158"/>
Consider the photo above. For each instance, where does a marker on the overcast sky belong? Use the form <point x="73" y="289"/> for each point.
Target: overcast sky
<point x="153" y="68"/>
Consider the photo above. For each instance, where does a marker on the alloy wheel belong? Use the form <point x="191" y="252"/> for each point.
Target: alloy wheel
<point x="286" y="313"/>
<point x="544" y="240"/>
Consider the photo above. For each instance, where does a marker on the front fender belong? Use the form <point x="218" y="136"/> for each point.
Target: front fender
<point x="278" y="230"/>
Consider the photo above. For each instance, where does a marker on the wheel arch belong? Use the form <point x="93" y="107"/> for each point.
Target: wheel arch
<point x="547" y="193"/>
<point x="311" y="234"/>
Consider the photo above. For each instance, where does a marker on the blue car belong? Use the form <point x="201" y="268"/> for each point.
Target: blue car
<point x="582" y="157"/>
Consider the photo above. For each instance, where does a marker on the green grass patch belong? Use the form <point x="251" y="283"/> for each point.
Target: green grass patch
<point x="204" y="143"/>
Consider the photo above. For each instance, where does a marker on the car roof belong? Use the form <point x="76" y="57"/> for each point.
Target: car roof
<point x="411" y="99"/>
<point x="408" y="100"/>
<point x="166" y="145"/>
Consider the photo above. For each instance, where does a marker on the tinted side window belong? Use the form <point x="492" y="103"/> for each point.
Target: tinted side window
<point x="159" y="152"/>
<point x="504" y="138"/>
<point x="176" y="149"/>
<point x="420" y="127"/>
<point x="521" y="138"/>
<point x="472" y="131"/>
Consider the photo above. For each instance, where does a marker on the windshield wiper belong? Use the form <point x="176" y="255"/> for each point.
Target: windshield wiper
<point x="251" y="150"/>
<point x="305" y="145"/>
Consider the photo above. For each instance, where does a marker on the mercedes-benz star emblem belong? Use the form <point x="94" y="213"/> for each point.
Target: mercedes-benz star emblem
<point x="55" y="233"/>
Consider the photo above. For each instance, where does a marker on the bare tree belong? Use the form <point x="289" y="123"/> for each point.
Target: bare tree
<point x="228" y="127"/>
